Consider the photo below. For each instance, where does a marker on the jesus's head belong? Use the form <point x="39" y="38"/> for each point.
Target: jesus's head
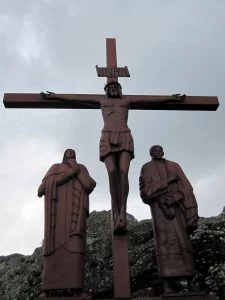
<point x="113" y="89"/>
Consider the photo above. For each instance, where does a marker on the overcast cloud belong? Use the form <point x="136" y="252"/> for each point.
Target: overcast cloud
<point x="169" y="47"/>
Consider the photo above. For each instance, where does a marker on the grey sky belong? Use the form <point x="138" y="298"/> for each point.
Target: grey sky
<point x="169" y="47"/>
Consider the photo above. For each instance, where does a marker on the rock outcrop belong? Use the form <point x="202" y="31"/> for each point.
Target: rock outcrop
<point x="20" y="276"/>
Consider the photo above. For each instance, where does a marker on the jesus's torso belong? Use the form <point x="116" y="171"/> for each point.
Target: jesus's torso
<point x="115" y="114"/>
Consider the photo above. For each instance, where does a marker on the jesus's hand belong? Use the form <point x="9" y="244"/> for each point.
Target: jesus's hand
<point x="178" y="97"/>
<point x="48" y="95"/>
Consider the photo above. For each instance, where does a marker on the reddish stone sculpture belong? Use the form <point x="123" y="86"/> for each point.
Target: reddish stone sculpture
<point x="66" y="188"/>
<point x="164" y="186"/>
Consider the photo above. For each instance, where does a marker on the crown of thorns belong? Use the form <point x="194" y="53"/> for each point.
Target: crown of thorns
<point x="112" y="82"/>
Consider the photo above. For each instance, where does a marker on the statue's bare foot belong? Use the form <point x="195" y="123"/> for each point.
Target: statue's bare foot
<point x="83" y="296"/>
<point x="167" y="287"/>
<point x="43" y="295"/>
<point x="169" y="290"/>
<point x="121" y="224"/>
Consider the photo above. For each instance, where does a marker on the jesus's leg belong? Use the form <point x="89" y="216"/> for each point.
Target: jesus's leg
<point x="114" y="184"/>
<point x="124" y="164"/>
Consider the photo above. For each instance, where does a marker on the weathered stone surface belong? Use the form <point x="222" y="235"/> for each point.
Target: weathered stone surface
<point x="20" y="276"/>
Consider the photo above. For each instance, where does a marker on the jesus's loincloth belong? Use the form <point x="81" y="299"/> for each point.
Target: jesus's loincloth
<point x="116" y="141"/>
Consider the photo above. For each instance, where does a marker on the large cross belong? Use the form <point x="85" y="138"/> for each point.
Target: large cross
<point x="92" y="101"/>
<point x="116" y="147"/>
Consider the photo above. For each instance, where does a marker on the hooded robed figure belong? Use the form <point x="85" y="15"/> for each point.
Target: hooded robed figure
<point x="164" y="186"/>
<point x="66" y="188"/>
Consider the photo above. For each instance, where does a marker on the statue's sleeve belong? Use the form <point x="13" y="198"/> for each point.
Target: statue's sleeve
<point x="49" y="182"/>
<point x="143" y="186"/>
<point x="54" y="177"/>
<point x="151" y="188"/>
<point x="51" y="172"/>
<point x="87" y="182"/>
<point x="190" y="203"/>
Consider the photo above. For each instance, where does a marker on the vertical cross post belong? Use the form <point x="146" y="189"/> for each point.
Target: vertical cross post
<point x="121" y="268"/>
<point x="119" y="241"/>
<point x="111" y="59"/>
<point x="111" y="71"/>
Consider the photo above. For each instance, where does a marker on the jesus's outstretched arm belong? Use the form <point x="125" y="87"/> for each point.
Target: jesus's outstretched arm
<point x="82" y="100"/>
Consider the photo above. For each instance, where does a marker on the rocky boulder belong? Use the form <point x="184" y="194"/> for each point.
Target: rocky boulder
<point x="20" y="276"/>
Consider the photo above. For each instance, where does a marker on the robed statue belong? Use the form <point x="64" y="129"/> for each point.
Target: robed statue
<point x="66" y="188"/>
<point x="164" y="186"/>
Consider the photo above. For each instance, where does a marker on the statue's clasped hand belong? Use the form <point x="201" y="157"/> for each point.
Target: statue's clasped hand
<point x="76" y="170"/>
<point x="169" y="201"/>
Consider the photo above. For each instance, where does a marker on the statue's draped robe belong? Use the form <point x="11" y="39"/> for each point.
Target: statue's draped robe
<point x="66" y="210"/>
<point x="173" y="245"/>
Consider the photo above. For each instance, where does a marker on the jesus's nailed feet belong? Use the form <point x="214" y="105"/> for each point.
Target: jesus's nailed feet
<point x="120" y="225"/>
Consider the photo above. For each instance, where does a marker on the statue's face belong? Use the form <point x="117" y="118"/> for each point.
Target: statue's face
<point x="70" y="153"/>
<point x="113" y="91"/>
<point x="157" y="153"/>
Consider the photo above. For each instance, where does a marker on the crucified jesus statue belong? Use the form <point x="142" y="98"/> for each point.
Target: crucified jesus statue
<point x="116" y="143"/>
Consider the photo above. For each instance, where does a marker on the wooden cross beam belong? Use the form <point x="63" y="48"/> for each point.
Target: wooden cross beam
<point x="93" y="101"/>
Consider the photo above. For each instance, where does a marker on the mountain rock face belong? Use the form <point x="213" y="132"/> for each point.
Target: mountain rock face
<point x="20" y="275"/>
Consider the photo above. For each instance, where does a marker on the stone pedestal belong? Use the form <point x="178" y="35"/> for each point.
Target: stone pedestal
<point x="60" y="298"/>
<point x="44" y="297"/>
<point x="184" y="296"/>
